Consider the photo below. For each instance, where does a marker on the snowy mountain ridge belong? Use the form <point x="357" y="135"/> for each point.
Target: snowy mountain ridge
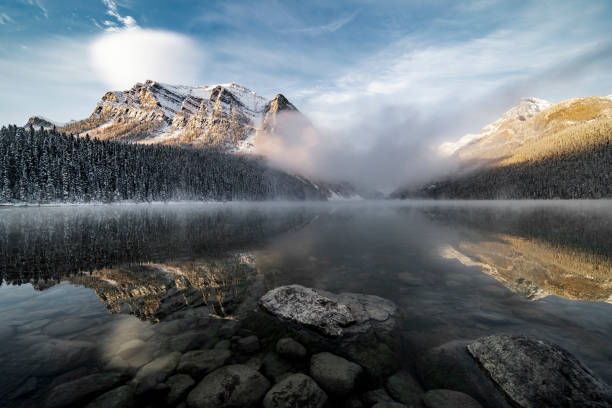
<point x="525" y="109"/>
<point x="225" y="116"/>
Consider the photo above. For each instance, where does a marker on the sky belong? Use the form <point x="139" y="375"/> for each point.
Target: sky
<point x="383" y="80"/>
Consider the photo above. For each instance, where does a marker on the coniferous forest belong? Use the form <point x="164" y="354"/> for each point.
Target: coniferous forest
<point x="45" y="166"/>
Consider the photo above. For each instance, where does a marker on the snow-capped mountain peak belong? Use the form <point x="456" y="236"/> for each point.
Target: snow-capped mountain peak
<point x="226" y="116"/>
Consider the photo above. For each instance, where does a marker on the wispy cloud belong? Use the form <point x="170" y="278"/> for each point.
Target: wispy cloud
<point x="5" y="18"/>
<point x="328" y="28"/>
<point x="126" y="22"/>
<point x="40" y="5"/>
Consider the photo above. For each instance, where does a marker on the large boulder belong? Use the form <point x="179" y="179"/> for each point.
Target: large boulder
<point x="229" y="387"/>
<point x="332" y="315"/>
<point x="335" y="374"/>
<point x="535" y="373"/>
<point x="297" y="390"/>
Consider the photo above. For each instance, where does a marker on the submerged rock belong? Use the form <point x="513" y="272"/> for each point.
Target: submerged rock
<point x="290" y="348"/>
<point x="179" y="384"/>
<point x="248" y="345"/>
<point x="535" y="373"/>
<point x="120" y="397"/>
<point x="228" y="387"/>
<point x="335" y="374"/>
<point x="450" y="366"/>
<point x="297" y="390"/>
<point x="79" y="391"/>
<point x="404" y="388"/>
<point x="198" y="363"/>
<point x="161" y="367"/>
<point x="449" y="399"/>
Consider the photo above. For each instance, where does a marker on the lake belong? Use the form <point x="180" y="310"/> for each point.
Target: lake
<point x="81" y="282"/>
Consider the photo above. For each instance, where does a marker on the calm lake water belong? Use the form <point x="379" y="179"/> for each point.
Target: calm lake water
<point x="78" y="282"/>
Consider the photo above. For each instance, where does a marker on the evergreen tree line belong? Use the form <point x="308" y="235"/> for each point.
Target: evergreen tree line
<point x="45" y="166"/>
<point x="575" y="175"/>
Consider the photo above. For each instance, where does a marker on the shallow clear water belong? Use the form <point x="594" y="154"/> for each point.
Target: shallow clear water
<point x="78" y="282"/>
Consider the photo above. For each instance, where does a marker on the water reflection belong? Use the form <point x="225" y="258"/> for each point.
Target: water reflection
<point x="190" y="268"/>
<point x="535" y="252"/>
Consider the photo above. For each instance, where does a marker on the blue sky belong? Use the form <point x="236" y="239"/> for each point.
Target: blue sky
<point x="413" y="70"/>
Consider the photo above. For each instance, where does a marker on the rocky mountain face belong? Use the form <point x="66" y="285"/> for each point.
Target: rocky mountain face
<point x="227" y="116"/>
<point x="535" y="150"/>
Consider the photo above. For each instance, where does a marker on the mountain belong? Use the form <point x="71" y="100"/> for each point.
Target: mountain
<point x="535" y="150"/>
<point x="39" y="121"/>
<point x="227" y="116"/>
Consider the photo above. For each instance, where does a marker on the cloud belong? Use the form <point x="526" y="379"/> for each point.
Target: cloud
<point x="124" y="22"/>
<point x="381" y="121"/>
<point x="5" y="18"/>
<point x="124" y="57"/>
<point x="39" y="4"/>
<point x="331" y="27"/>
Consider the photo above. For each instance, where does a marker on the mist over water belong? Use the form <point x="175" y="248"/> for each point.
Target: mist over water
<point x="86" y="278"/>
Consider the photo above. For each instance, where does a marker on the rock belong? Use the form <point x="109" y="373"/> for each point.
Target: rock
<point x="307" y="307"/>
<point x="290" y="348"/>
<point x="170" y="328"/>
<point x="179" y="385"/>
<point x="254" y="362"/>
<point x="394" y="405"/>
<point x="55" y="356"/>
<point x="335" y="374"/>
<point x="120" y="397"/>
<point x="230" y="386"/>
<point x="324" y="321"/>
<point x="151" y="387"/>
<point x="198" y="363"/>
<point x="450" y="366"/>
<point x="377" y="358"/>
<point x="297" y="390"/>
<point x="118" y="364"/>
<point x="131" y="348"/>
<point x="248" y="345"/>
<point x="81" y="390"/>
<point x="404" y="388"/>
<point x="275" y="367"/>
<point x="374" y="396"/>
<point x="535" y="373"/>
<point x="162" y="366"/>
<point x="229" y="329"/>
<point x="353" y="403"/>
<point x="188" y="341"/>
<point x="223" y="345"/>
<point x="449" y="399"/>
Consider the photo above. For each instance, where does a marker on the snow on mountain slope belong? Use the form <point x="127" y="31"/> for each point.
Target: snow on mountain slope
<point x="504" y="130"/>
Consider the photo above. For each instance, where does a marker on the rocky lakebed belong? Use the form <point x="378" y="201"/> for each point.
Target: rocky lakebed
<point x="292" y="347"/>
